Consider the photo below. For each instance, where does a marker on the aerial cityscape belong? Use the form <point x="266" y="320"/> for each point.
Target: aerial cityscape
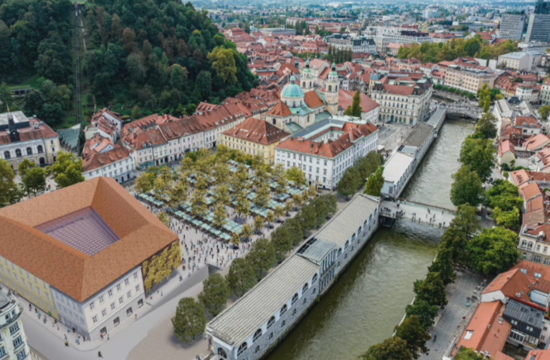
<point x="236" y="180"/>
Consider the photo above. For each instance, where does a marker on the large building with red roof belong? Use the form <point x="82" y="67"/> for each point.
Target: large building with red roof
<point x="325" y="150"/>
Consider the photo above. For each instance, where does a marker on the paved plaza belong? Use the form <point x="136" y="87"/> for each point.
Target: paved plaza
<point x="453" y="319"/>
<point x="418" y="213"/>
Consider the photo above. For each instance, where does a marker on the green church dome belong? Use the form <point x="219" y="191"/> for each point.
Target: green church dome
<point x="293" y="90"/>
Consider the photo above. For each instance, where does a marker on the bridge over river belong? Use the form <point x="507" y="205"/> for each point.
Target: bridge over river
<point x="429" y="215"/>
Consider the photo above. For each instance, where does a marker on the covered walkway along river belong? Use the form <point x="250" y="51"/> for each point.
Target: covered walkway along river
<point x="368" y="301"/>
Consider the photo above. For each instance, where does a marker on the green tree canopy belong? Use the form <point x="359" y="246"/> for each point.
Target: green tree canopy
<point x="479" y="156"/>
<point x="9" y="191"/>
<point x="467" y="188"/>
<point x="415" y="334"/>
<point x="190" y="320"/>
<point x="241" y="276"/>
<point x="262" y="257"/>
<point x="67" y="170"/>
<point x="425" y="312"/>
<point x="393" y="348"/>
<point x="216" y="292"/>
<point x="431" y="289"/>
<point x="494" y="250"/>
<point x="355" y="108"/>
<point x="375" y="183"/>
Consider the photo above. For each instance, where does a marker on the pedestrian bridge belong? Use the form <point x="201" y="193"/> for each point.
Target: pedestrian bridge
<point x="464" y="110"/>
<point x="434" y="216"/>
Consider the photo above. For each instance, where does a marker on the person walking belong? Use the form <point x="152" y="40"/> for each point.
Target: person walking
<point x="99" y="354"/>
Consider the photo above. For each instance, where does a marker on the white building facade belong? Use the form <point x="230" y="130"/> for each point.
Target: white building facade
<point x="13" y="341"/>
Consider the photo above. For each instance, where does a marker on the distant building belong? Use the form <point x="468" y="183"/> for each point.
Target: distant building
<point x="469" y="78"/>
<point x="539" y="28"/>
<point x="81" y="254"/>
<point x="346" y="42"/>
<point x="255" y="137"/>
<point x="522" y="60"/>
<point x="545" y="92"/>
<point x="511" y="26"/>
<point x="277" y="31"/>
<point x="14" y="341"/>
<point x="23" y="138"/>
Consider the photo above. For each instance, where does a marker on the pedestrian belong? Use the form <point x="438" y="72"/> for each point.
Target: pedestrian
<point x="108" y="337"/>
<point x="99" y="354"/>
<point x="435" y="337"/>
<point x="136" y="316"/>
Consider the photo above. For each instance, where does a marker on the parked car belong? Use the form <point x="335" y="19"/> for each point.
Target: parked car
<point x="269" y="226"/>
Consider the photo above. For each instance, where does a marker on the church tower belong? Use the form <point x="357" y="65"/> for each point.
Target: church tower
<point x="332" y="91"/>
<point x="307" y="79"/>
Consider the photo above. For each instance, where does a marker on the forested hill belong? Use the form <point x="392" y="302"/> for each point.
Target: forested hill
<point x="159" y="55"/>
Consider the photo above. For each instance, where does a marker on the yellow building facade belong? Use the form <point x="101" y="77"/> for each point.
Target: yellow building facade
<point x="28" y="286"/>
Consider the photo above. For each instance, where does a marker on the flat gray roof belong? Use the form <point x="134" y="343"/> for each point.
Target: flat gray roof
<point x="396" y="166"/>
<point x="418" y="135"/>
<point x="342" y="226"/>
<point x="238" y="322"/>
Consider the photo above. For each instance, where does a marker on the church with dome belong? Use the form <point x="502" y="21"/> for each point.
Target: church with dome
<point x="302" y="106"/>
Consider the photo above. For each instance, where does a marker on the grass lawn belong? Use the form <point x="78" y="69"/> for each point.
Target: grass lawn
<point x="32" y="82"/>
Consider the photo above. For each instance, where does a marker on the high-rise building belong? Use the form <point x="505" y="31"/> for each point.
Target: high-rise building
<point x="511" y="26"/>
<point x="14" y="342"/>
<point x="539" y="28"/>
<point x="542" y="7"/>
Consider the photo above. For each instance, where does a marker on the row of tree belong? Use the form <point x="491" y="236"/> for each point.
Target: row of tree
<point x="356" y="175"/>
<point x="66" y="171"/>
<point x="473" y="47"/>
<point x="339" y="56"/>
<point x="160" y="56"/>
<point x="191" y="317"/>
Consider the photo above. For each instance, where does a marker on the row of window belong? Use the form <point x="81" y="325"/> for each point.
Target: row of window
<point x="28" y="151"/>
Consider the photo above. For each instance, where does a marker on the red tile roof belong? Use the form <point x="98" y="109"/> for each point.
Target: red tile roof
<point x="313" y="100"/>
<point x="346" y="100"/>
<point x="76" y="274"/>
<point x="36" y="131"/>
<point x="281" y="110"/>
<point x="257" y="131"/>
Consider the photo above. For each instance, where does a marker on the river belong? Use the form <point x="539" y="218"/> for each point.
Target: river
<point x="369" y="299"/>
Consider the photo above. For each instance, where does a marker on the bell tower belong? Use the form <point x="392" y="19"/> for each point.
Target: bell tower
<point x="307" y="80"/>
<point x="332" y="91"/>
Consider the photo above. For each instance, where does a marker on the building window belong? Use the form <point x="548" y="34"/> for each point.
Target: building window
<point x="3" y="351"/>
<point x="14" y="328"/>
<point x="120" y="300"/>
<point x="110" y="292"/>
<point x="257" y="349"/>
<point x="137" y="288"/>
<point x="101" y="299"/>
<point x="304" y="289"/>
<point x="7" y="155"/>
<point x="127" y="281"/>
<point x="116" y="321"/>
<point x="29" y="151"/>
<point x="270" y="336"/>
<point x="257" y="335"/>
<point x="94" y="319"/>
<point x="18" y="152"/>
<point x="283" y="323"/>
<point x="242" y="348"/>
<point x="113" y="306"/>
<point x="271" y="322"/>
<point x="140" y="303"/>
<point x="135" y="276"/>
<point x="92" y="306"/>
<point x="294" y="299"/>
<point x="314" y="278"/>
<point x="118" y="287"/>
<point x="283" y="310"/>
<point x="129" y="311"/>
<point x="104" y="312"/>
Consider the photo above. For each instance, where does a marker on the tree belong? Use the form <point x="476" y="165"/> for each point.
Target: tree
<point x="544" y="112"/>
<point x="220" y="215"/>
<point x="145" y="182"/>
<point x="486" y="128"/>
<point x="494" y="250"/>
<point x="223" y="62"/>
<point x="467" y="188"/>
<point x="479" y="155"/>
<point x="431" y="289"/>
<point x="393" y="348"/>
<point x="222" y="195"/>
<point x="34" y="180"/>
<point x="259" y="223"/>
<point x="67" y="170"/>
<point x="165" y="218"/>
<point x="190" y="320"/>
<point x="216" y="292"/>
<point x="241" y="276"/>
<point x="280" y="177"/>
<point x="415" y="334"/>
<point x="355" y="108"/>
<point x="9" y="191"/>
<point x="270" y="217"/>
<point x="247" y="231"/>
<point x="468" y="354"/>
<point x="444" y="265"/>
<point x="262" y="257"/>
<point x="297" y="175"/>
<point x="509" y="219"/>
<point x="178" y="194"/>
<point x="425" y="312"/>
<point x="282" y="241"/>
<point x="375" y="183"/>
<point x="350" y="182"/>
<point x="33" y="102"/>
<point x="198" y="204"/>
<point x="25" y="166"/>
<point x="236" y="239"/>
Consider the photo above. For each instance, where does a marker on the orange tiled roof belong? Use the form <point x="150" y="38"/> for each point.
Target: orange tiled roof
<point x="281" y="110"/>
<point x="257" y="131"/>
<point x="313" y="100"/>
<point x="345" y="100"/>
<point x="76" y="274"/>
